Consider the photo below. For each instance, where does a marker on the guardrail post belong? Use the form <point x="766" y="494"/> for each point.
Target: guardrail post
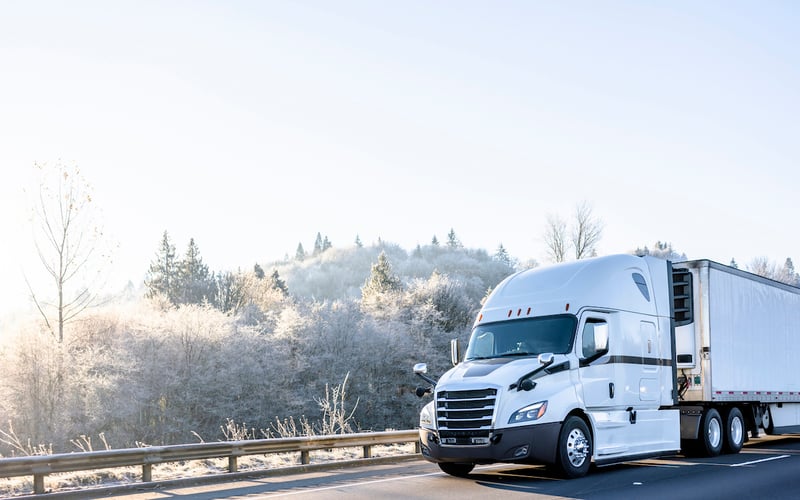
<point x="417" y="446"/>
<point x="233" y="464"/>
<point x="38" y="484"/>
<point x="304" y="458"/>
<point x="367" y="451"/>
<point x="147" y="473"/>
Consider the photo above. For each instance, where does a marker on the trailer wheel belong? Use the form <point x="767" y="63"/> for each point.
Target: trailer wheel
<point x="458" y="470"/>
<point x="734" y="431"/>
<point x="574" y="448"/>
<point x="709" y="443"/>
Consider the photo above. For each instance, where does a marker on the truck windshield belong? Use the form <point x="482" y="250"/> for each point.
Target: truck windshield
<point x="522" y="337"/>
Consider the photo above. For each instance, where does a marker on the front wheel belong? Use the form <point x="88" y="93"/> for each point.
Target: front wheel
<point x="458" y="470"/>
<point x="574" y="448"/>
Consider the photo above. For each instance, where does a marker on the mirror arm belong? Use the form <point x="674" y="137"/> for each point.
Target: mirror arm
<point x="426" y="378"/>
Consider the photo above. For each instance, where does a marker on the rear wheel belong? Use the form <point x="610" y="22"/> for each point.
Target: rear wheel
<point x="458" y="470"/>
<point x="574" y="448"/>
<point x="734" y="431"/>
<point x="709" y="443"/>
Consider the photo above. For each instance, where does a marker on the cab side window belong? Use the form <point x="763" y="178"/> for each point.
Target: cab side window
<point x="595" y="338"/>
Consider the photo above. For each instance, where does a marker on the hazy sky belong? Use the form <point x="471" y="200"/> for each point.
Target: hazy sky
<point x="251" y="126"/>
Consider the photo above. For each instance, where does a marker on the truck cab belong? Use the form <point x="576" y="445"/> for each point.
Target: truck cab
<point x="566" y="365"/>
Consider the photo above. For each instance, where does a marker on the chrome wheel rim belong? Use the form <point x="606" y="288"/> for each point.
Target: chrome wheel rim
<point x="714" y="432"/>
<point x="737" y="431"/>
<point x="577" y="447"/>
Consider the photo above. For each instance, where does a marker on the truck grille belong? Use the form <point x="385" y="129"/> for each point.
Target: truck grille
<point x="465" y="410"/>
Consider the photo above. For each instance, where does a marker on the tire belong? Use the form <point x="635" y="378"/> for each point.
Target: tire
<point x="734" y="431"/>
<point x="574" y="448"/>
<point x="709" y="442"/>
<point x="454" y="469"/>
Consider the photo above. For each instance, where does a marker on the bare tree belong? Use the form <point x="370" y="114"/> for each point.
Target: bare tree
<point x="586" y="231"/>
<point x="763" y="266"/>
<point x="555" y="238"/>
<point x="67" y="241"/>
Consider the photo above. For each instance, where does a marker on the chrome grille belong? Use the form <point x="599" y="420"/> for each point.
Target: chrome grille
<point x="465" y="410"/>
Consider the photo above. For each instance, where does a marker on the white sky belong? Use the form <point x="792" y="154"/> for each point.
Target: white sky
<point x="251" y="126"/>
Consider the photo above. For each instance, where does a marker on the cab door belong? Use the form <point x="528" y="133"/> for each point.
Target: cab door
<point x="596" y="371"/>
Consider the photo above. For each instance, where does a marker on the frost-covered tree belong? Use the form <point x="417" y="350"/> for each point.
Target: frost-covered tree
<point x="70" y="244"/>
<point x="195" y="284"/>
<point x="230" y="294"/>
<point x="258" y="271"/>
<point x="502" y="255"/>
<point x="300" y="254"/>
<point x="277" y="283"/>
<point x="378" y="289"/>
<point x="733" y="264"/>
<point x="326" y="244"/>
<point x="434" y="241"/>
<point x="662" y="250"/>
<point x="358" y="242"/>
<point x="381" y="278"/>
<point x="762" y="266"/>
<point x="452" y="240"/>
<point x="317" y="245"/>
<point x="443" y="301"/>
<point x="163" y="276"/>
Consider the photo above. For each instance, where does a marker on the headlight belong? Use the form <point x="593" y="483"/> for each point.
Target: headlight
<point x="426" y="419"/>
<point x="529" y="413"/>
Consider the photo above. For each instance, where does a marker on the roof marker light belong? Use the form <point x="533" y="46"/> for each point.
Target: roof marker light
<point x="509" y="313"/>
<point x="519" y="311"/>
<point x="567" y="309"/>
<point x="529" y="312"/>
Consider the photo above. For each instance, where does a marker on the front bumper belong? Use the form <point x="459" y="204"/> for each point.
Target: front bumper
<point x="529" y="444"/>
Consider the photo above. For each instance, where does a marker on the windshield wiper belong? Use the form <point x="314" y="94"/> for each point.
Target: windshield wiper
<point x="515" y="353"/>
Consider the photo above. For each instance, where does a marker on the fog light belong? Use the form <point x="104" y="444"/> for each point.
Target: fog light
<point x="521" y="451"/>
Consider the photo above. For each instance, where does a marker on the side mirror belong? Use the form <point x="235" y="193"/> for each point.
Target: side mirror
<point x="420" y="368"/>
<point x="546" y="358"/>
<point x="601" y="337"/>
<point x="455" y="351"/>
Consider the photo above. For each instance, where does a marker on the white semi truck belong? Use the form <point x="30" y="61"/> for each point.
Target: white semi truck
<point x="617" y="358"/>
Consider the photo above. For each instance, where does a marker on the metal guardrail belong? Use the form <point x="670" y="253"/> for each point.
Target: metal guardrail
<point x="41" y="465"/>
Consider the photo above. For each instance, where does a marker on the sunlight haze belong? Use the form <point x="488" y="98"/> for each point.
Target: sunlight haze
<point x="252" y="126"/>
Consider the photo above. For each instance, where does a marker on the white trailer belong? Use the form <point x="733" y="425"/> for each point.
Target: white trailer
<point x="615" y="358"/>
<point x="737" y="344"/>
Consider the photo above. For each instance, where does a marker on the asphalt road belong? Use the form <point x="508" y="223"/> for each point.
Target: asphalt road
<point x="766" y="468"/>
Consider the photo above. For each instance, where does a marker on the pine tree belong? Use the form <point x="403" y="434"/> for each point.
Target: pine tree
<point x="163" y="275"/>
<point x="195" y="283"/>
<point x="326" y="244"/>
<point x="501" y="255"/>
<point x="381" y="279"/>
<point x="317" y="245"/>
<point x="733" y="264"/>
<point x="259" y="271"/>
<point x="435" y="241"/>
<point x="787" y="274"/>
<point x="358" y="242"/>
<point x="452" y="240"/>
<point x="277" y="283"/>
<point x="300" y="254"/>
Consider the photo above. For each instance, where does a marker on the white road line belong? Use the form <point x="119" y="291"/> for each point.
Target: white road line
<point x="762" y="460"/>
<point x="344" y="485"/>
<point x="364" y="483"/>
